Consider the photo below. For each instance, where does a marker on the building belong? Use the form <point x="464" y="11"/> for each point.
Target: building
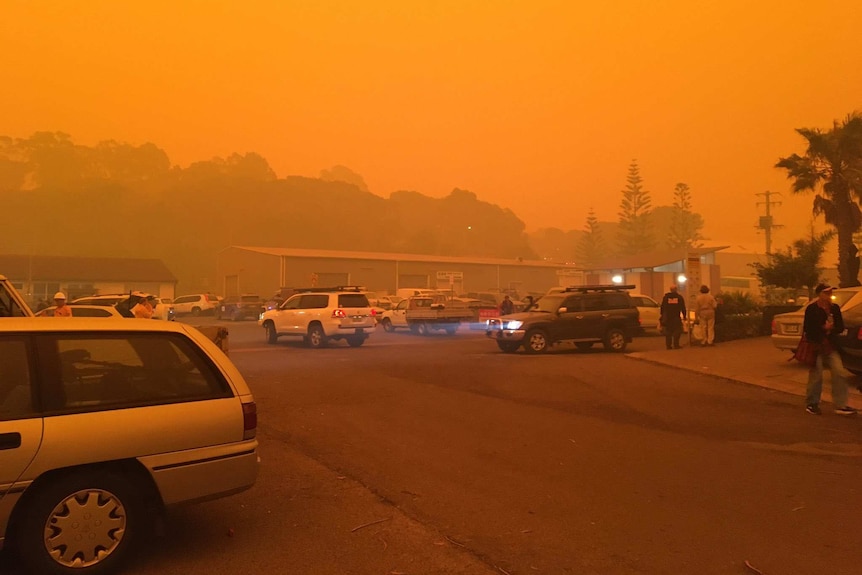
<point x="263" y="270"/>
<point x="40" y="277"/>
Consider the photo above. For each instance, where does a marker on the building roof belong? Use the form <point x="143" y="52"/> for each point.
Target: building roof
<point x="336" y="254"/>
<point x="653" y="259"/>
<point x="64" y="268"/>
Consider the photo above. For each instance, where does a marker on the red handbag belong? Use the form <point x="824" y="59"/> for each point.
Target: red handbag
<point x="806" y="352"/>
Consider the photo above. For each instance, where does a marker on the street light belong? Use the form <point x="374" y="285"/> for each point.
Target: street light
<point x="681" y="279"/>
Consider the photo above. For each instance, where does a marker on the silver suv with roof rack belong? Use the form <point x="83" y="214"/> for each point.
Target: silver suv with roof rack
<point x="584" y="315"/>
<point x="319" y="315"/>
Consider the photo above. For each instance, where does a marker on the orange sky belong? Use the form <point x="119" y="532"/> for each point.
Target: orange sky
<point x="535" y="105"/>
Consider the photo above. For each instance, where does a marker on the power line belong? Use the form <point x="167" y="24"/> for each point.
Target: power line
<point x="766" y="223"/>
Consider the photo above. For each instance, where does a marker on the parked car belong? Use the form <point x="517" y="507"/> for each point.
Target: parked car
<point x="11" y="302"/>
<point x="123" y="303"/>
<point x="236" y="308"/>
<point x="585" y="315"/>
<point x="102" y="425"/>
<point x="196" y="304"/>
<point x="649" y="310"/>
<point x="850" y="341"/>
<point x="787" y="327"/>
<point x="321" y="315"/>
<point x="79" y="310"/>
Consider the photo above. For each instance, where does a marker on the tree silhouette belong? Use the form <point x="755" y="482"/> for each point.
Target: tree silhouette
<point x="798" y="267"/>
<point x="635" y="233"/>
<point x="832" y="168"/>
<point x="685" y="225"/>
<point x="591" y="249"/>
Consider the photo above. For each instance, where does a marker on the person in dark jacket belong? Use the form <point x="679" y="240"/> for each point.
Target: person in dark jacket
<point x="672" y="315"/>
<point x="822" y="324"/>
<point x="507" y="306"/>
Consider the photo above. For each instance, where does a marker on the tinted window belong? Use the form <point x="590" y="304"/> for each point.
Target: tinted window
<point x="617" y="301"/>
<point x="314" y="301"/>
<point x="596" y="302"/>
<point x="250" y="298"/>
<point x="352" y="300"/>
<point x="104" y="371"/>
<point x="573" y="303"/>
<point x="90" y="312"/>
<point x="15" y="392"/>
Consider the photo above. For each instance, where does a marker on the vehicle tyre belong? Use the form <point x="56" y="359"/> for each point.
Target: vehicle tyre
<point x="422" y="328"/>
<point x="584" y="345"/>
<point x="451" y="329"/>
<point x="615" y="340"/>
<point x="414" y="328"/>
<point x="508" y="346"/>
<point x="536" y="341"/>
<point x="271" y="333"/>
<point x="196" y="311"/>
<point x="355" y="340"/>
<point x="87" y="522"/>
<point x="315" y="338"/>
<point x="387" y="325"/>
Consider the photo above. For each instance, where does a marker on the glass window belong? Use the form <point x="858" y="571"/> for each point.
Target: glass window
<point x="596" y="302"/>
<point x="352" y="300"/>
<point x="314" y="301"/>
<point x="108" y="371"/>
<point x="8" y="306"/>
<point x="90" y="312"/>
<point x="292" y="303"/>
<point x="617" y="301"/>
<point x="573" y="303"/>
<point x="16" y="398"/>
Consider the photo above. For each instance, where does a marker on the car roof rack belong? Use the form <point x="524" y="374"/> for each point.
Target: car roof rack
<point x="600" y="288"/>
<point x="330" y="289"/>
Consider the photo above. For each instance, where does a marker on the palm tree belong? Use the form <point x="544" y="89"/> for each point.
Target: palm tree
<point x="832" y="168"/>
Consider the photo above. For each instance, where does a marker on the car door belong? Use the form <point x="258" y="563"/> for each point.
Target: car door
<point x="649" y="311"/>
<point x="21" y="425"/>
<point x="570" y="319"/>
<point x="285" y="316"/>
<point x="399" y="314"/>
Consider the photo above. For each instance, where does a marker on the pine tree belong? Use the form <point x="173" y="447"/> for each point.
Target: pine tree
<point x="591" y="248"/>
<point x="635" y="231"/>
<point x="685" y="225"/>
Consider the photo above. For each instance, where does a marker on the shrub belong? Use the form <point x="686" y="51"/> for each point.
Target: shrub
<point x="738" y="326"/>
<point x="737" y="302"/>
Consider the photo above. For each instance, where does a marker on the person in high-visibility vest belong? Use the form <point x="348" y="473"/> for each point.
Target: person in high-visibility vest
<point x="62" y="310"/>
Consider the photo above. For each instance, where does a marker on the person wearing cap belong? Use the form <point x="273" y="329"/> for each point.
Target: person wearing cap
<point x="144" y="308"/>
<point x="822" y="324"/>
<point x="62" y="310"/>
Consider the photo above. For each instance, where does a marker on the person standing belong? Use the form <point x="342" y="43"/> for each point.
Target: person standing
<point x="704" y="306"/>
<point x="62" y="310"/>
<point x="144" y="308"/>
<point x="822" y="324"/>
<point x="507" y="306"/>
<point x="672" y="315"/>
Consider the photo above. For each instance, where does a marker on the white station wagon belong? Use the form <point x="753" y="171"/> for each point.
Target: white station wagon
<point x="103" y="423"/>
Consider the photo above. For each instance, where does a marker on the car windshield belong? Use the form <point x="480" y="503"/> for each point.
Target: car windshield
<point x="250" y="298"/>
<point x="549" y="303"/>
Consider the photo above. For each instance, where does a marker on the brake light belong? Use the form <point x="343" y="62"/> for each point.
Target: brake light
<point x="338" y="313"/>
<point x="859" y="334"/>
<point x="373" y="311"/>
<point x="774" y="327"/>
<point x="249" y="420"/>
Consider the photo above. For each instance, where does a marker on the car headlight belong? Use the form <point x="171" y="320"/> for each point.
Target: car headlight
<point x="514" y="324"/>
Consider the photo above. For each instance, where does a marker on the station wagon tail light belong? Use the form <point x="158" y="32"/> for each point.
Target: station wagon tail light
<point x="373" y="311"/>
<point x="338" y="313"/>
<point x="859" y="334"/>
<point x="774" y="326"/>
<point x="249" y="420"/>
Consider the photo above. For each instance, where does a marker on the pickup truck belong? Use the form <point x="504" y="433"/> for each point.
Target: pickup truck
<point x="424" y="314"/>
<point x="11" y="302"/>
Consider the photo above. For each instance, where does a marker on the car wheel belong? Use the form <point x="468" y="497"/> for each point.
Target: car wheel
<point x="414" y="328"/>
<point x="536" y="341"/>
<point x="615" y="340"/>
<point x="508" y="346"/>
<point x="355" y="340"/>
<point x="387" y="325"/>
<point x="316" y="338"/>
<point x="271" y="334"/>
<point x="87" y="522"/>
<point x="451" y="329"/>
<point x="196" y="311"/>
<point x="422" y="328"/>
<point x="584" y="345"/>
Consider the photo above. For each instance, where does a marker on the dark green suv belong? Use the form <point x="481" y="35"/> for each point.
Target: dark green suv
<point x="585" y="315"/>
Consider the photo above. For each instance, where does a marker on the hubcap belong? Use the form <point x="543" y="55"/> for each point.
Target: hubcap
<point x="617" y="341"/>
<point x="537" y="342"/>
<point x="315" y="337"/>
<point x="85" y="528"/>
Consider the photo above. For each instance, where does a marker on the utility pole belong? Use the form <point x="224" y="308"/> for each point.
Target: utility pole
<point x="766" y="223"/>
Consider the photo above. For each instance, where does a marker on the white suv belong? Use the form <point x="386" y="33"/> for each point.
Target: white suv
<point x="196" y="304"/>
<point x="104" y="423"/>
<point x="322" y="315"/>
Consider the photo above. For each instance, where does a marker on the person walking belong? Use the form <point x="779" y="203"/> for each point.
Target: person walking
<point x="62" y="310"/>
<point x="704" y="306"/>
<point x="672" y="315"/>
<point x="507" y="306"/>
<point x="822" y="324"/>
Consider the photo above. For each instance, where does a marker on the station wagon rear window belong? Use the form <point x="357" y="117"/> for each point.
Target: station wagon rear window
<point x="116" y="370"/>
<point x="352" y="300"/>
